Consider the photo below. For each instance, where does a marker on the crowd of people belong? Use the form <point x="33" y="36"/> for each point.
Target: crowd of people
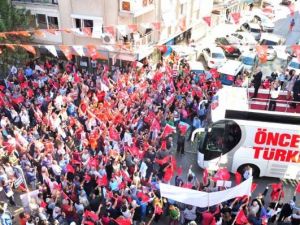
<point x="97" y="145"/>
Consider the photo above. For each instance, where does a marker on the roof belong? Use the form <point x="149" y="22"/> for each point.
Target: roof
<point x="254" y="25"/>
<point x="271" y="37"/>
<point x="195" y="65"/>
<point x="216" y="49"/>
<point x="231" y="67"/>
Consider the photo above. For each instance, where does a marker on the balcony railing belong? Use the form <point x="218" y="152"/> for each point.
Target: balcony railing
<point x="55" y="2"/>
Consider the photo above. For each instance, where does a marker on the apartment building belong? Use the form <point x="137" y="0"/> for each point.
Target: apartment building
<point x="119" y="23"/>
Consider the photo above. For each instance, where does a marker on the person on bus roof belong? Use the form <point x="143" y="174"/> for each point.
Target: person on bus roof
<point x="257" y="81"/>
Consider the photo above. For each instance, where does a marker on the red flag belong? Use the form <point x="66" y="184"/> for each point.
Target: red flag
<point x="262" y="53"/>
<point x="114" y="135"/>
<point x="43" y="204"/>
<point x="122" y="185"/>
<point x="67" y="51"/>
<point x="238" y="177"/>
<point x="222" y="174"/>
<point x="168" y="130"/>
<point x="155" y="125"/>
<point x="102" y="181"/>
<point x="241" y="218"/>
<point x="298" y="188"/>
<point x="292" y="9"/>
<point x="77" y="79"/>
<point x="163" y="145"/>
<point x="183" y="127"/>
<point x="91" y="215"/>
<point x="253" y="187"/>
<point x="168" y="174"/>
<point x="277" y="192"/>
<point x="163" y="161"/>
<point x="24" y="85"/>
<point x="18" y="100"/>
<point x="143" y="197"/>
<point x="70" y="169"/>
<point x="93" y="53"/>
<point x="87" y="178"/>
<point x="236" y="17"/>
<point x="296" y="50"/>
<point x="123" y="221"/>
<point x="179" y="171"/>
<point x="215" y="74"/>
<point x="57" y="186"/>
<point x="205" y="176"/>
<point x="207" y="19"/>
<point x="110" y="30"/>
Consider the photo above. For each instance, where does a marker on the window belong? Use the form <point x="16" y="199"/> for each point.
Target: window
<point x="82" y="23"/>
<point x="52" y="22"/>
<point x="41" y="21"/>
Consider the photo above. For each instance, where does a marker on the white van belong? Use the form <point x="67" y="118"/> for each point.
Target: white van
<point x="271" y="40"/>
<point x="230" y="70"/>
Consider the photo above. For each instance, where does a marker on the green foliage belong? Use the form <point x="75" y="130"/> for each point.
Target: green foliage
<point x="13" y="19"/>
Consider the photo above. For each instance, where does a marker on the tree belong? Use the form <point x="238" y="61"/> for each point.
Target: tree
<point x="13" y="19"/>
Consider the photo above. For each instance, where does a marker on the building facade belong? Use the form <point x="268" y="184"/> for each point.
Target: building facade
<point x="113" y="23"/>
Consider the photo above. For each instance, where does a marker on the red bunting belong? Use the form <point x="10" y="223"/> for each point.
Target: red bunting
<point x="236" y="17"/>
<point x="110" y="30"/>
<point x="10" y="46"/>
<point x="29" y="48"/>
<point x="93" y="53"/>
<point x="238" y="177"/>
<point x="24" y="33"/>
<point x="133" y="28"/>
<point x="262" y="53"/>
<point x="156" y="26"/>
<point x="241" y="218"/>
<point x="70" y="169"/>
<point x="123" y="221"/>
<point x="67" y="51"/>
<point x="102" y="181"/>
<point x="207" y="19"/>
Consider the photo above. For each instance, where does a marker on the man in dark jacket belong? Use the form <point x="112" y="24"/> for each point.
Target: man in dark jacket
<point x="180" y="142"/>
<point x="257" y="81"/>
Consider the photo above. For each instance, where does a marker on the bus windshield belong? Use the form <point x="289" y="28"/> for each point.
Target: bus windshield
<point x="223" y="137"/>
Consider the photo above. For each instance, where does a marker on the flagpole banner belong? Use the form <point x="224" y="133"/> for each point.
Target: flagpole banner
<point x="204" y="199"/>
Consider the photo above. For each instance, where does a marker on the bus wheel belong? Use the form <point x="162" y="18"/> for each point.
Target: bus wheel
<point x="255" y="170"/>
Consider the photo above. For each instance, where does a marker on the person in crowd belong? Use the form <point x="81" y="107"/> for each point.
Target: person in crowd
<point x="274" y="94"/>
<point x="257" y="78"/>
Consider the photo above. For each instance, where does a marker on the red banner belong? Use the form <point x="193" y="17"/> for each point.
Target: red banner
<point x="207" y="19"/>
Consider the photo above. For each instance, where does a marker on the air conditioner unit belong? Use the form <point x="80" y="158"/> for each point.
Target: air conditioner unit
<point x="108" y="39"/>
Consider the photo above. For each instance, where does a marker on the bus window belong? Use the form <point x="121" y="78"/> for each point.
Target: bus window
<point x="222" y="138"/>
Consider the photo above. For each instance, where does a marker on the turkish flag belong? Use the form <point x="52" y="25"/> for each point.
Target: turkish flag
<point x="168" y="130"/>
<point x="123" y="221"/>
<point x="133" y="28"/>
<point x="91" y="215"/>
<point x="179" y="171"/>
<point x="296" y="50"/>
<point x="163" y="145"/>
<point x="143" y="197"/>
<point x="236" y="17"/>
<point x="29" y="48"/>
<point x="298" y="188"/>
<point x="114" y="135"/>
<point x="207" y="19"/>
<point x="18" y="100"/>
<point x="183" y="127"/>
<point x="205" y="176"/>
<point x="155" y="125"/>
<point x="241" y="218"/>
<point x="77" y="79"/>
<point x="163" y="161"/>
<point x="70" y="169"/>
<point x="215" y="74"/>
<point x="168" y="174"/>
<point x="262" y="53"/>
<point x="93" y="53"/>
<point x="110" y="30"/>
<point x="253" y="187"/>
<point x="277" y="192"/>
<point x="222" y="174"/>
<point x="102" y="181"/>
<point x="238" y="178"/>
<point x="24" y="85"/>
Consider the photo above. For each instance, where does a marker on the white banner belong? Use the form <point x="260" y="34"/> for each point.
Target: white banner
<point x="204" y="199"/>
<point x="79" y="50"/>
<point x="51" y="49"/>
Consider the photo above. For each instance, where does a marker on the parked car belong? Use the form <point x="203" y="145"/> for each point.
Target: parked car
<point x="249" y="60"/>
<point x="266" y="24"/>
<point x="271" y="40"/>
<point x="229" y="49"/>
<point x="214" y="56"/>
<point x="252" y="28"/>
<point x="241" y="38"/>
<point x="294" y="64"/>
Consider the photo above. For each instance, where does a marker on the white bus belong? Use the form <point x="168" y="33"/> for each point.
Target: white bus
<point x="238" y="136"/>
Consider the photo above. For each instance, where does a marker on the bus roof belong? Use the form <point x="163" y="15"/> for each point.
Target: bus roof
<point x="195" y="65"/>
<point x="231" y="67"/>
<point x="232" y="100"/>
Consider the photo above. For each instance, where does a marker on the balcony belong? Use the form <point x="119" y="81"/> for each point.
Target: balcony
<point x="49" y="2"/>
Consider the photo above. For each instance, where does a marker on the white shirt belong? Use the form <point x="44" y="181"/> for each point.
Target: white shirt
<point x="275" y="93"/>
